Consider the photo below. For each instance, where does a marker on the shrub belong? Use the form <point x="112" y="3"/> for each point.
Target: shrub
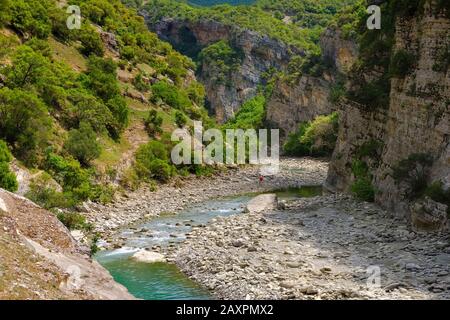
<point x="153" y="123"/>
<point x="69" y="174"/>
<point x="42" y="191"/>
<point x="293" y="147"/>
<point x="8" y="179"/>
<point x="370" y="148"/>
<point x="362" y="187"/>
<point x="316" y="138"/>
<point x="24" y="123"/>
<point x="413" y="172"/>
<point x="140" y="84"/>
<point x="74" y="221"/>
<point x="402" y="63"/>
<point x="171" y="95"/>
<point x="91" y="41"/>
<point x="82" y="144"/>
<point x="250" y="115"/>
<point x="436" y="192"/>
<point x="152" y="162"/>
<point x="337" y="93"/>
<point x="180" y="119"/>
<point x="5" y="154"/>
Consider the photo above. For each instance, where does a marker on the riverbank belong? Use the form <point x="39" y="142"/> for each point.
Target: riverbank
<point x="145" y="204"/>
<point x="317" y="248"/>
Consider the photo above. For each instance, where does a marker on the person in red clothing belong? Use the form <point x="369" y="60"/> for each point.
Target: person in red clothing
<point x="261" y="179"/>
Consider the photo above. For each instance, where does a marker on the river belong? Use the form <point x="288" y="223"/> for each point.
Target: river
<point x="163" y="281"/>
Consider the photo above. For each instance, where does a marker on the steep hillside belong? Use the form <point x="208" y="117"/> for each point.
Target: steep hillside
<point x="77" y="104"/>
<point x="240" y="49"/>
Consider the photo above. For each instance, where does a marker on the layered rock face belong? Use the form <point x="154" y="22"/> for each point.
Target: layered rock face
<point x="41" y="260"/>
<point x="308" y="97"/>
<point x="259" y="55"/>
<point x="417" y="119"/>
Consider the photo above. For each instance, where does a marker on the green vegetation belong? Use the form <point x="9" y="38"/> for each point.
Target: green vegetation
<point x="62" y="108"/>
<point x="316" y="138"/>
<point x="8" y="179"/>
<point x="402" y="63"/>
<point x="153" y="123"/>
<point x="180" y="119"/>
<point x="260" y="18"/>
<point x="437" y="193"/>
<point x="221" y="59"/>
<point x="74" y="221"/>
<point x="412" y="173"/>
<point x="82" y="144"/>
<point x="362" y="187"/>
<point x="152" y="162"/>
<point x="251" y="115"/>
<point x="368" y="152"/>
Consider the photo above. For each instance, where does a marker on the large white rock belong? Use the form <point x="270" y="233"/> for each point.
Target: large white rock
<point x="262" y="203"/>
<point x="148" y="257"/>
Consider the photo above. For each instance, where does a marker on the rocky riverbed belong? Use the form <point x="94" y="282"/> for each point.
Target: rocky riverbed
<point x="174" y="197"/>
<point x="327" y="247"/>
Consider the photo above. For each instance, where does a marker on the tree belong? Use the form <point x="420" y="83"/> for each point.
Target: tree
<point x="24" y="123"/>
<point x="29" y="67"/>
<point x="82" y="144"/>
<point x="91" y="41"/>
<point x="5" y="12"/>
<point x="8" y="180"/>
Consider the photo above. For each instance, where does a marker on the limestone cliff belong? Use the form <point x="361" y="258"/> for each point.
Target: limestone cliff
<point x="416" y="120"/>
<point x="259" y="53"/>
<point x="308" y="96"/>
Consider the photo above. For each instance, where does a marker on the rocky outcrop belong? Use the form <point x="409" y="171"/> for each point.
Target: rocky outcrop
<point x="259" y="55"/>
<point x="417" y="120"/>
<point x="41" y="260"/>
<point x="308" y="96"/>
<point x="291" y="104"/>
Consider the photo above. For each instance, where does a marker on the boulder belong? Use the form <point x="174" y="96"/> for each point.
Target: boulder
<point x="148" y="257"/>
<point x="429" y="215"/>
<point x="262" y="203"/>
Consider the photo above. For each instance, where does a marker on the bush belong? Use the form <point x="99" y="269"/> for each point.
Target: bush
<point x="250" y="116"/>
<point x="82" y="144"/>
<point x="402" y="63"/>
<point x="293" y="147"/>
<point x="316" y="138"/>
<point x="153" y="123"/>
<point x="180" y="119"/>
<point x="362" y="187"/>
<point x="5" y="154"/>
<point x="8" y="179"/>
<point x="171" y="95"/>
<point x="69" y="174"/>
<point x="42" y="191"/>
<point x="74" y="221"/>
<point x="413" y="172"/>
<point x="152" y="162"/>
<point x="436" y="192"/>
<point x="91" y="41"/>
